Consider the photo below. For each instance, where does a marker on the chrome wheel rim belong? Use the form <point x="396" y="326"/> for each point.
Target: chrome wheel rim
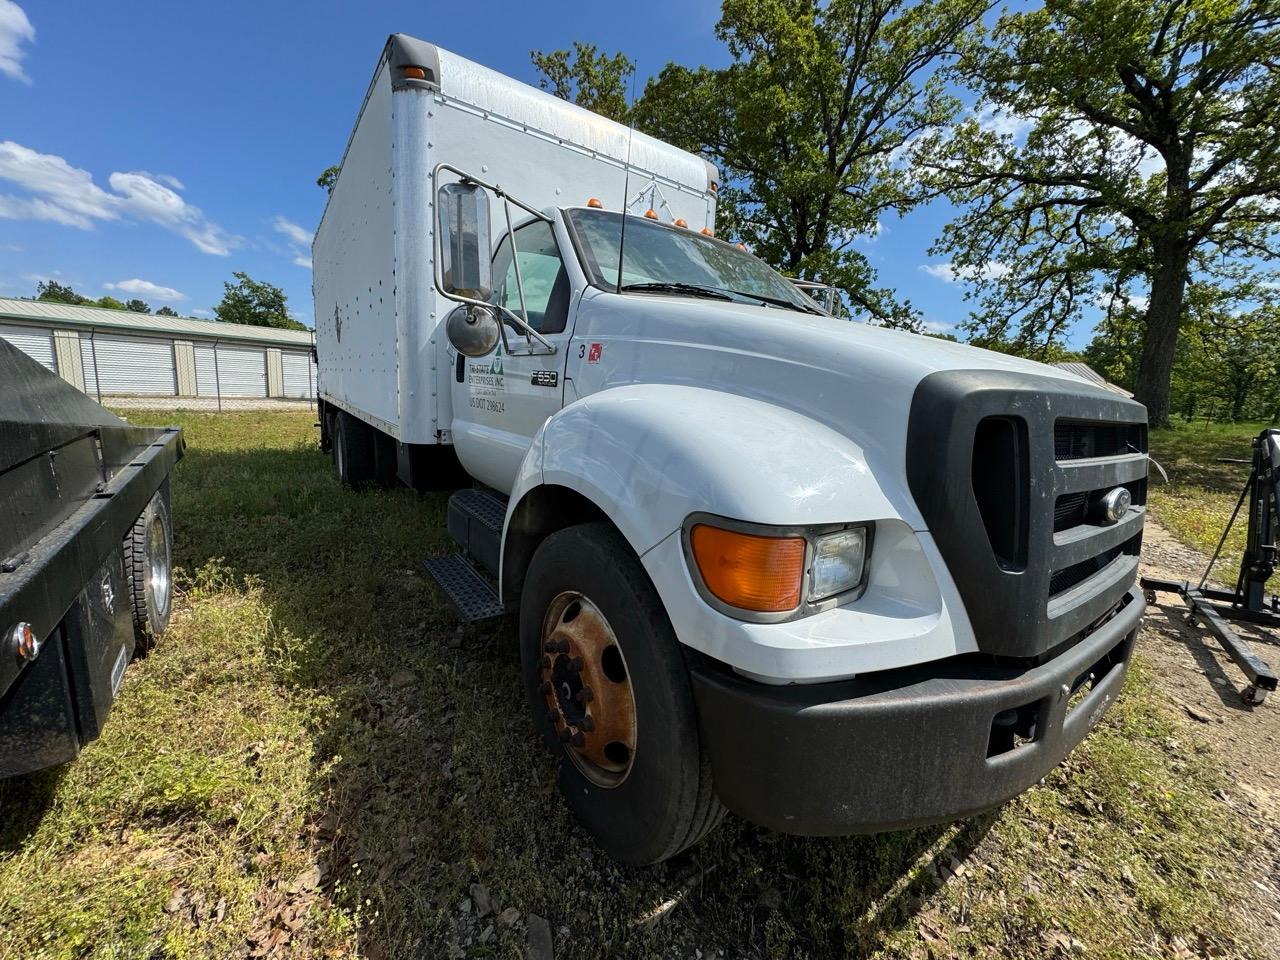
<point x="586" y="688"/>
<point x="158" y="579"/>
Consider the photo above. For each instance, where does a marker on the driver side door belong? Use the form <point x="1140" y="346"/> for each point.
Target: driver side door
<point x="501" y="400"/>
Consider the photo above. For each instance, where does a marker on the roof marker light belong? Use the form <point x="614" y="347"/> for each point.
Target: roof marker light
<point x="413" y="73"/>
<point x="708" y="232"/>
<point x="595" y="203"/>
<point x="742" y="246"/>
<point x="682" y="223"/>
<point x="651" y="214"/>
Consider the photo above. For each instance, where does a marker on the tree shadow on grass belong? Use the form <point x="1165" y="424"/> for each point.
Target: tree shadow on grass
<point x="438" y="809"/>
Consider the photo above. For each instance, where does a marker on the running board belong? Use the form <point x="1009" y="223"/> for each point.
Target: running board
<point x="475" y="519"/>
<point x="463" y="584"/>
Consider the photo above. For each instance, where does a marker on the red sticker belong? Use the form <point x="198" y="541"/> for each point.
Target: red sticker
<point x="593" y="355"/>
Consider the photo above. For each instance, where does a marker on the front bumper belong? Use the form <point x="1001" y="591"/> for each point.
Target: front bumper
<point x="905" y="747"/>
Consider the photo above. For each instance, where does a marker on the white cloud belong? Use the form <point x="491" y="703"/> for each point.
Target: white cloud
<point x="61" y="193"/>
<point x="145" y="288"/>
<point x="949" y="273"/>
<point x="296" y="234"/>
<point x="1135" y="301"/>
<point x="299" y="240"/>
<point x="1001" y="122"/>
<point x="15" y="30"/>
<point x="201" y="312"/>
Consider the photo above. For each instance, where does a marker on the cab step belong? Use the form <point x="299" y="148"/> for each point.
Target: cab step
<point x="475" y="519"/>
<point x="465" y="586"/>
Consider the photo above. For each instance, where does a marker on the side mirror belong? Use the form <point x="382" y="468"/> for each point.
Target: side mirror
<point x="473" y="331"/>
<point x="462" y="212"/>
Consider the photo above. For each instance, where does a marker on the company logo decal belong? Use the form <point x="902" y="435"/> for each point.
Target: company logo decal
<point x="593" y="355"/>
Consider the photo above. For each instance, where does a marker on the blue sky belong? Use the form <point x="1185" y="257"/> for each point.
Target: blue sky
<point x="150" y="149"/>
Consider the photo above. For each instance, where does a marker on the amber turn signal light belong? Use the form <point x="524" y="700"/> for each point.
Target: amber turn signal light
<point x="748" y="571"/>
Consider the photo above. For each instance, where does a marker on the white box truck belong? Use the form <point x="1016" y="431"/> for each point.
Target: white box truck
<point x="831" y="577"/>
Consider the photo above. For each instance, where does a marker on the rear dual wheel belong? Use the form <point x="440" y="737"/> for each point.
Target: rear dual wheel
<point x="610" y="695"/>
<point x="362" y="455"/>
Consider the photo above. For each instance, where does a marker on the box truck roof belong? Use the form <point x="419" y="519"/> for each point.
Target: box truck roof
<point x="537" y="112"/>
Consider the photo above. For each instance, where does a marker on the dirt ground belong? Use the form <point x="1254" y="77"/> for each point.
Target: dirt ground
<point x="1195" y="673"/>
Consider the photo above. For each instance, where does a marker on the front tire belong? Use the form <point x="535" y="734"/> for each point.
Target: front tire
<point x="148" y="565"/>
<point x="630" y="763"/>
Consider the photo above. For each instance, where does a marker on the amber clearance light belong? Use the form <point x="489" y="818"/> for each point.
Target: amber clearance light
<point x="748" y="571"/>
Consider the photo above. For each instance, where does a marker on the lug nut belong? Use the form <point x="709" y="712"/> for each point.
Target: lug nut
<point x="545" y="687"/>
<point x="545" y="662"/>
<point x="587" y="724"/>
<point x="585" y="695"/>
<point x="578" y="739"/>
<point x="23" y="642"/>
<point x="565" y="735"/>
<point x="576" y="664"/>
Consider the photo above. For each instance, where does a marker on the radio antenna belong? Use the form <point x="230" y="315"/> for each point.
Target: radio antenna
<point x="626" y="181"/>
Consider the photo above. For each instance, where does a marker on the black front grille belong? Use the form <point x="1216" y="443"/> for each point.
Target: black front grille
<point x="1070" y="511"/>
<point x="1076" y="574"/>
<point x="1074" y="509"/>
<point x="1006" y="469"/>
<point x="1080" y="439"/>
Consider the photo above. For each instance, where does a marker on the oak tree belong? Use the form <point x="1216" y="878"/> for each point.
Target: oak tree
<point x="1118" y="152"/>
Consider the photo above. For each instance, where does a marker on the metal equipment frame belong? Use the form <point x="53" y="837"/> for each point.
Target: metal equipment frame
<point x="1249" y="602"/>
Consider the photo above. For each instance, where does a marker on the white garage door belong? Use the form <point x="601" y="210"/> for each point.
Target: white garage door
<point x="34" y="342"/>
<point x="299" y="374"/>
<point x="128" y="365"/>
<point x="242" y="371"/>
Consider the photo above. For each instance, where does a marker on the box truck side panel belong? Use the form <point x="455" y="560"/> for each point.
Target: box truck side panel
<point x="354" y="272"/>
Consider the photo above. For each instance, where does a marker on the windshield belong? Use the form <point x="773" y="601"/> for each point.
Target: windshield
<point x="676" y="260"/>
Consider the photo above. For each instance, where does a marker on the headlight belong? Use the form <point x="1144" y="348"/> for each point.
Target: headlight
<point x="768" y="573"/>
<point x="838" y="562"/>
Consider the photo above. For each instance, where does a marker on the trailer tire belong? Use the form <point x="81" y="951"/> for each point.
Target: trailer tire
<point x="352" y="450"/>
<point x="148" y="566"/>
<point x="649" y="803"/>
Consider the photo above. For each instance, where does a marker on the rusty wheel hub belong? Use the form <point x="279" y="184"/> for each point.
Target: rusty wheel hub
<point x="587" y="689"/>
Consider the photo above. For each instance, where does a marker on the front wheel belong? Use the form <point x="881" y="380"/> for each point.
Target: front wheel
<point x="610" y="695"/>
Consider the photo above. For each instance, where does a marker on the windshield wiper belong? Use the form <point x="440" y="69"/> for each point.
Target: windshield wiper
<point x="689" y="289"/>
<point x="779" y="302"/>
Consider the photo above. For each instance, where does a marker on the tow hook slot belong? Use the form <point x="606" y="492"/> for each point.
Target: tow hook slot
<point x="1083" y="685"/>
<point x="1015" y="727"/>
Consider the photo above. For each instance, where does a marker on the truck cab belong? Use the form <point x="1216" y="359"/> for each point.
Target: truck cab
<point x="832" y="577"/>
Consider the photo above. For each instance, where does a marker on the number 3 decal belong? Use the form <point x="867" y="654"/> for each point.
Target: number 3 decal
<point x="582" y="350"/>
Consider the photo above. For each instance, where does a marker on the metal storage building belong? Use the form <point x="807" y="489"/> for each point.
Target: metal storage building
<point x="119" y="353"/>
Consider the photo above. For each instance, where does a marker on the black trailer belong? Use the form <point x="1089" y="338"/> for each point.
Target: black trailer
<point x="85" y="547"/>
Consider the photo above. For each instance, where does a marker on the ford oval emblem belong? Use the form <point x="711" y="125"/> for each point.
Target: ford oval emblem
<point x="1116" y="504"/>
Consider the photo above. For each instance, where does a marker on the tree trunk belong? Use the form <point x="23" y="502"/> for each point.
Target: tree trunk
<point x="1164" y="316"/>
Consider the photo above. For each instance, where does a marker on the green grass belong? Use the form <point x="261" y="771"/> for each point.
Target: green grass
<point x="318" y="753"/>
<point x="1197" y="502"/>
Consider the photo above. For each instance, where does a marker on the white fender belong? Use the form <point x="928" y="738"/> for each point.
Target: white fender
<point x="651" y="454"/>
<point x="648" y="455"/>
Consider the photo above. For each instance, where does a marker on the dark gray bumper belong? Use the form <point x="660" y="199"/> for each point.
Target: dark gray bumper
<point x="907" y="747"/>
